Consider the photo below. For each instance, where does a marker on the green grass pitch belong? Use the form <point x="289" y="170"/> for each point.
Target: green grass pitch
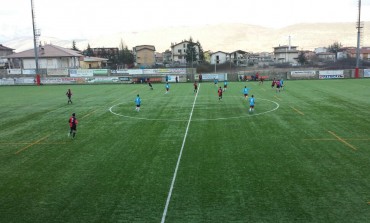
<point x="303" y="155"/>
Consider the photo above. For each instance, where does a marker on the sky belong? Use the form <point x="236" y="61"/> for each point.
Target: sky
<point x="83" y="19"/>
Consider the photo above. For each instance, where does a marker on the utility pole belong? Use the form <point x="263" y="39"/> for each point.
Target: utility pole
<point x="357" y="75"/>
<point x="36" y="34"/>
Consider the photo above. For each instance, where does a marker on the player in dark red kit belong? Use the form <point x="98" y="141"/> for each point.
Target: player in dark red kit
<point x="195" y="87"/>
<point x="150" y="84"/>
<point x="73" y="125"/>
<point x="69" y="95"/>
<point x="219" y="93"/>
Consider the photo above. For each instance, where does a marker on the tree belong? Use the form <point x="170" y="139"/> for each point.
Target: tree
<point x="121" y="53"/>
<point x="125" y="57"/>
<point x="302" y="60"/>
<point x="74" y="47"/>
<point x="201" y="52"/>
<point x="88" y="52"/>
<point x="191" y="52"/>
<point x="334" y="48"/>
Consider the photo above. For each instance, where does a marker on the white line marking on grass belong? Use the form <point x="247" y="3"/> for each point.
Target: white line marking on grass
<point x="178" y="160"/>
<point x="197" y="120"/>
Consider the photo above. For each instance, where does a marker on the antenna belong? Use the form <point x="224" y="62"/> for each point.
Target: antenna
<point x="36" y="34"/>
<point x="359" y="27"/>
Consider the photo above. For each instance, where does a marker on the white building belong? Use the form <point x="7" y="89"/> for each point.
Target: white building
<point x="49" y="57"/>
<point x="219" y="57"/>
<point x="286" y="54"/>
<point x="179" y="52"/>
<point x="321" y="50"/>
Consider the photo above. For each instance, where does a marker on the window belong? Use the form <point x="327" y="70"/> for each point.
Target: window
<point x="179" y="50"/>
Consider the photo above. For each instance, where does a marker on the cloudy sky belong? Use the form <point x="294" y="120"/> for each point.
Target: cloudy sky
<point x="78" y="19"/>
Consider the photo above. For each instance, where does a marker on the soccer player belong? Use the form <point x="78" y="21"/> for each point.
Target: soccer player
<point x="219" y="93"/>
<point x="245" y="91"/>
<point x="215" y="81"/>
<point x="195" y="87"/>
<point x="251" y="103"/>
<point x="150" y="84"/>
<point x="261" y="80"/>
<point x="69" y="95"/>
<point x="167" y="87"/>
<point x="277" y="86"/>
<point x="282" y="84"/>
<point x="273" y="83"/>
<point x="138" y="103"/>
<point x="225" y="85"/>
<point x="72" y="125"/>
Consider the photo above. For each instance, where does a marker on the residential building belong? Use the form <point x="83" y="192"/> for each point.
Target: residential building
<point x="4" y="52"/>
<point x="286" y="54"/>
<point x="49" y="57"/>
<point x="364" y="53"/>
<point x="326" y="56"/>
<point x="219" y="57"/>
<point x="265" y="59"/>
<point x="109" y="53"/>
<point x="179" y="52"/>
<point x="159" y="58"/>
<point x="104" y="51"/>
<point x="239" y="57"/>
<point x="321" y="50"/>
<point x="167" y="57"/>
<point x="144" y="55"/>
<point x="207" y="56"/>
<point x="93" y="63"/>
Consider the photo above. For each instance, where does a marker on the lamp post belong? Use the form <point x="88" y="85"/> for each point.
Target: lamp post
<point x="36" y="34"/>
<point x="357" y="75"/>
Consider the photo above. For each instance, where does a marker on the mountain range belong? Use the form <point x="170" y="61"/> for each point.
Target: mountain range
<point x="221" y="37"/>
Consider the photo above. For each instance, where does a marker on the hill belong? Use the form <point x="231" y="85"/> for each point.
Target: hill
<point x="223" y="37"/>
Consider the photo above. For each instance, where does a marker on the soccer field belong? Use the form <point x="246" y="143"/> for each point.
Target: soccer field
<point x="303" y="155"/>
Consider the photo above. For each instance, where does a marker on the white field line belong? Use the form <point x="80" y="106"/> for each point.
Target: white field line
<point x="178" y="161"/>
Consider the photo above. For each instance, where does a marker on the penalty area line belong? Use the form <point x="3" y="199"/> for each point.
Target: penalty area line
<point x="34" y="143"/>
<point x="342" y="140"/>
<point x="178" y="161"/>
<point x="296" y="110"/>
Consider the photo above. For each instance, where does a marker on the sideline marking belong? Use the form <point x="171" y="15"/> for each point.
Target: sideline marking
<point x="178" y="160"/>
<point x="34" y="143"/>
<point x="298" y="111"/>
<point x="27" y="143"/>
<point x="342" y="140"/>
<point x="194" y="120"/>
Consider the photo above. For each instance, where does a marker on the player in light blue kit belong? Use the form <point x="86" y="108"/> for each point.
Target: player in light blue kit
<point x="251" y="103"/>
<point x="225" y="85"/>
<point x="167" y="88"/>
<point x="282" y="84"/>
<point x="138" y="103"/>
<point x="245" y="91"/>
